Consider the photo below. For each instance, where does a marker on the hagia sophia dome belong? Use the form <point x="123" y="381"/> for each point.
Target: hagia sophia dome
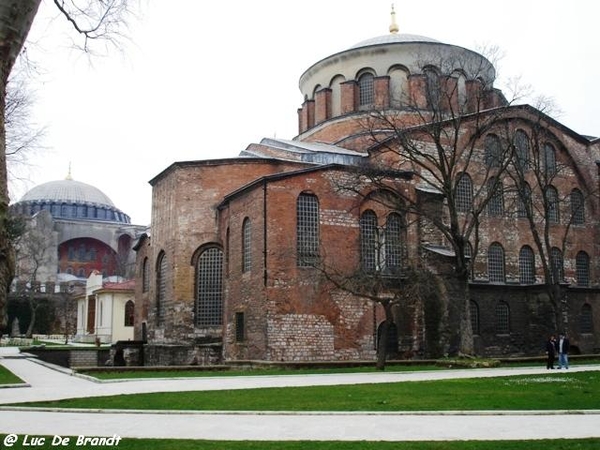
<point x="70" y="199"/>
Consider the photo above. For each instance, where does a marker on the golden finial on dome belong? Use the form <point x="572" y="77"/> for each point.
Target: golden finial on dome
<point x="69" y="177"/>
<point x="394" y="26"/>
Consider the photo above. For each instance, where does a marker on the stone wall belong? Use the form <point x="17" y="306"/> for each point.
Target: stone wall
<point x="300" y="337"/>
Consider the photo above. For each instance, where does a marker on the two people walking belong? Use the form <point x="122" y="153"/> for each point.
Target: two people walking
<point x="562" y="347"/>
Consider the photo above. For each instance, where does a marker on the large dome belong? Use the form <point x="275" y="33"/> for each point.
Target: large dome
<point x="67" y="191"/>
<point x="396" y="38"/>
<point x="70" y="199"/>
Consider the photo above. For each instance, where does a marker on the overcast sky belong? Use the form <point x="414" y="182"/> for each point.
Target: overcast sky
<point x="202" y="80"/>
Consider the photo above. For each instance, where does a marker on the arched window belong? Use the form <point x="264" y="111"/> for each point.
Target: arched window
<point x="552" y="205"/>
<point x="524" y="201"/>
<point x="495" y="204"/>
<point x="336" y="95"/>
<point x="369" y="241"/>
<point x="307" y="230"/>
<point x="394" y="244"/>
<point x="81" y="272"/>
<point x="209" y="287"/>
<point x="586" y="323"/>
<point x="145" y="276"/>
<point x="474" y="312"/>
<point x="502" y="318"/>
<point x="522" y="156"/>
<point x="129" y="313"/>
<point x="493" y="151"/>
<point x="556" y="265"/>
<point x="433" y="91"/>
<point x="582" y="269"/>
<point x="246" y="245"/>
<point x="464" y="193"/>
<point x="496" y="263"/>
<point x="526" y="265"/>
<point x="366" y="90"/>
<point x="161" y="288"/>
<point x="549" y="160"/>
<point x="398" y="87"/>
<point x="577" y="207"/>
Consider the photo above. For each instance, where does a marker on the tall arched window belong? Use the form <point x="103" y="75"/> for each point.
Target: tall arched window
<point x="495" y="204"/>
<point x="474" y="312"/>
<point x="493" y="156"/>
<point x="307" y="230"/>
<point x="549" y="160"/>
<point x="209" y="287"/>
<point x="556" y="265"/>
<point x="366" y="90"/>
<point x="336" y="95"/>
<point x="129" y="313"/>
<point x="522" y="155"/>
<point x="526" y="265"/>
<point x="145" y="276"/>
<point x="582" y="269"/>
<point x="524" y="201"/>
<point x="586" y="323"/>
<point x="577" y="207"/>
<point x="394" y="244"/>
<point x="433" y="89"/>
<point x="552" y="204"/>
<point x="161" y="288"/>
<point x="496" y="263"/>
<point x="464" y="193"/>
<point x="502" y="318"/>
<point x="246" y="245"/>
<point x="369" y="241"/>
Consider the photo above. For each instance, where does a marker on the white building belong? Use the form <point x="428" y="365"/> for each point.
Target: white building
<point x="106" y="310"/>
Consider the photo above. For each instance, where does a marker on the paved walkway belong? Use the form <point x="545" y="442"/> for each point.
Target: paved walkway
<point x="47" y="383"/>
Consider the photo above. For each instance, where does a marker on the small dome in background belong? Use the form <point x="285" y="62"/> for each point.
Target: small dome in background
<point x="67" y="191"/>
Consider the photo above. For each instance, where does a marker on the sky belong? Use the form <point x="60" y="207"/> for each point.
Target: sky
<point x="202" y="80"/>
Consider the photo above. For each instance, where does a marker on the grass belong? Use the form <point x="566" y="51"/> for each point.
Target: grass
<point x="115" y="374"/>
<point x="556" y="391"/>
<point x="186" y="444"/>
<point x="7" y="377"/>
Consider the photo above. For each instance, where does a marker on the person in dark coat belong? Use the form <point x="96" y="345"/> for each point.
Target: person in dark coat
<point x="563" y="346"/>
<point x="550" y="352"/>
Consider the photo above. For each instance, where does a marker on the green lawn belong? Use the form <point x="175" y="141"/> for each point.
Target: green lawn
<point x="185" y="444"/>
<point x="7" y="377"/>
<point x="575" y="390"/>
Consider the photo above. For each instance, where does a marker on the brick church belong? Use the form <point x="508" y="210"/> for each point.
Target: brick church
<point x="415" y="195"/>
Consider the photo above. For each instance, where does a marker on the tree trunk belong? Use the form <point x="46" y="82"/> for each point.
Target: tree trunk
<point x="384" y="336"/>
<point x="459" y="331"/>
<point x="33" y="310"/>
<point x="16" y="17"/>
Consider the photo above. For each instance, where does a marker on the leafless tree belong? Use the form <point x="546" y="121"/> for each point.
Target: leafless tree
<point x="95" y="21"/>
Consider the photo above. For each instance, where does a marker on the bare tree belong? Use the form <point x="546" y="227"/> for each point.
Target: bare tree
<point x="101" y="21"/>
<point x="34" y="250"/>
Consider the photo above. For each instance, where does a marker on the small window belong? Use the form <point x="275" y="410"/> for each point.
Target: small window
<point x="161" y="288"/>
<point x="495" y="204"/>
<point x="586" y="324"/>
<point x="549" y="160"/>
<point x="493" y="151"/>
<point x="496" y="263"/>
<point x="552" y="205"/>
<point x="577" y="207"/>
<point x="556" y="265"/>
<point x="239" y="327"/>
<point x="129" y="313"/>
<point x="464" y="193"/>
<point x="307" y="230"/>
<point x="366" y="90"/>
<point x="582" y="269"/>
<point x="524" y="201"/>
<point x="369" y="239"/>
<point x="145" y="276"/>
<point x="522" y="157"/>
<point x="526" y="266"/>
<point x="502" y="318"/>
<point x="246" y="245"/>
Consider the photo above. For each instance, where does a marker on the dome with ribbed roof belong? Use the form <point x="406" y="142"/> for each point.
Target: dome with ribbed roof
<point x="396" y="38"/>
<point x="70" y="199"/>
<point x="68" y="191"/>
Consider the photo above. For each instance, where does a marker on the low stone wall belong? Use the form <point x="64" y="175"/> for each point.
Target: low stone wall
<point x="300" y="337"/>
<point x="72" y="357"/>
<point x="182" y="355"/>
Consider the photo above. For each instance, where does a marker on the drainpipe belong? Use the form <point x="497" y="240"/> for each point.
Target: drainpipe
<point x="264" y="232"/>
